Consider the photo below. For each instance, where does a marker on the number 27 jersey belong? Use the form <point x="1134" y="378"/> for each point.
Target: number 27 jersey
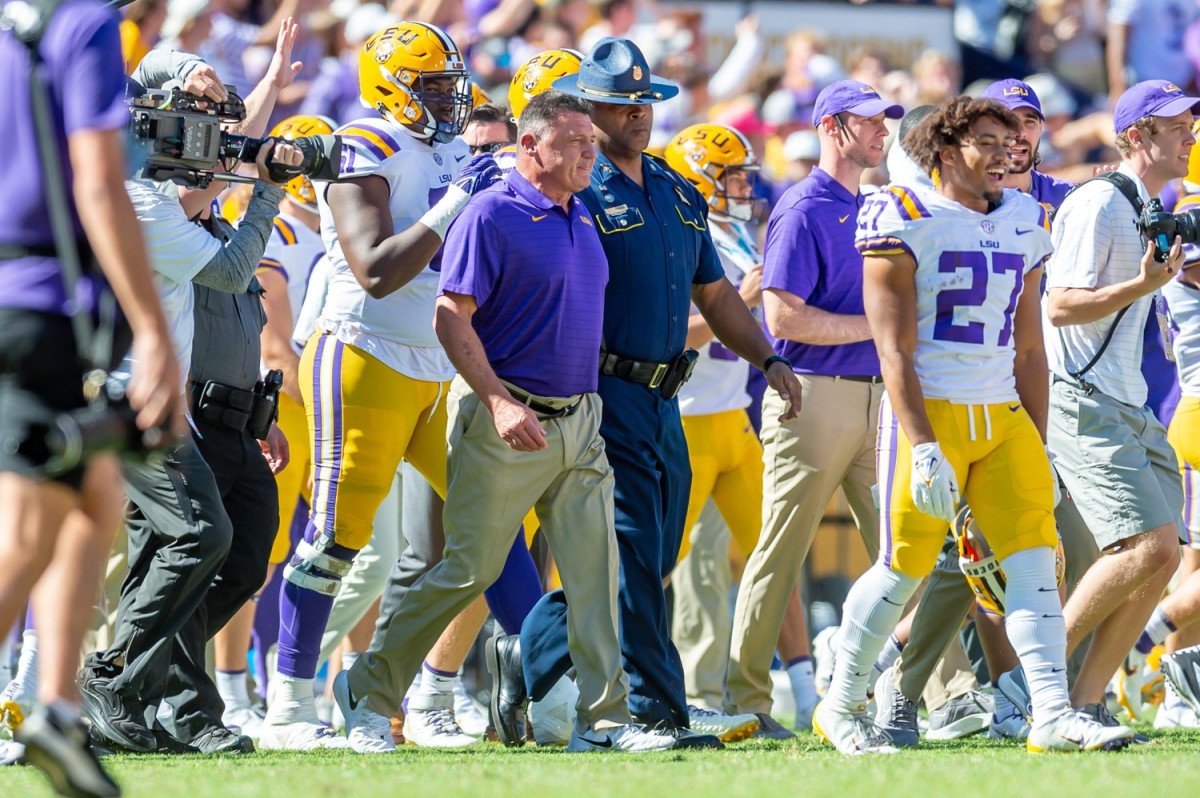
<point x="971" y="269"/>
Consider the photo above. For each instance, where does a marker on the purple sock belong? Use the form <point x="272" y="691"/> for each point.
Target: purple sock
<point x="303" y="615"/>
<point x="796" y="661"/>
<point x="512" y="596"/>
<point x="266" y="617"/>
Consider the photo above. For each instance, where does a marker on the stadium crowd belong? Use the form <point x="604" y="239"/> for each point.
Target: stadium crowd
<point x="583" y="308"/>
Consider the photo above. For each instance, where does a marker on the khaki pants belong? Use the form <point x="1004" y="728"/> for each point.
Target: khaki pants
<point x="703" y="619"/>
<point x="830" y="445"/>
<point x="490" y="489"/>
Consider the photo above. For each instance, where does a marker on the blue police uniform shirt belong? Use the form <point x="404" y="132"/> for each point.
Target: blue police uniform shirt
<point x="81" y="50"/>
<point x="658" y="246"/>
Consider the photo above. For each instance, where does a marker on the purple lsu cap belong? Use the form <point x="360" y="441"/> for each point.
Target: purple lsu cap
<point x="1014" y="94"/>
<point x="855" y="97"/>
<point x="1151" y="98"/>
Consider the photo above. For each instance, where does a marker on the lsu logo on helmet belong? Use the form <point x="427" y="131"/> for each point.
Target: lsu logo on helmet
<point x="300" y="188"/>
<point x="981" y="567"/>
<point x="705" y="154"/>
<point x="537" y="74"/>
<point x="413" y="74"/>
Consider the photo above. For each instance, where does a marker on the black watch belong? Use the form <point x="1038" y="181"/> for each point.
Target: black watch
<point x="776" y="359"/>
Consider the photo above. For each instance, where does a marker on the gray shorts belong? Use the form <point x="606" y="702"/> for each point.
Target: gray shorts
<point x="1115" y="460"/>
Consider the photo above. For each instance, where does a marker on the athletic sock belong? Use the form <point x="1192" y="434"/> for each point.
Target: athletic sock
<point x="27" y="664"/>
<point x="1036" y="628"/>
<point x="804" y="688"/>
<point x="436" y="683"/>
<point x="232" y="687"/>
<point x="1157" y="629"/>
<point x="293" y="700"/>
<point x="873" y="608"/>
<point x="1001" y="707"/>
<point x="349" y="658"/>
<point x="518" y="588"/>
<point x="889" y="655"/>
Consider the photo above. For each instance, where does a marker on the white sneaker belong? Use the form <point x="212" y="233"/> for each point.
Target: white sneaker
<point x="1016" y="690"/>
<point x="1075" y="731"/>
<point x="553" y="718"/>
<point x="852" y="733"/>
<point x="1174" y="712"/>
<point x="16" y="701"/>
<point x="824" y="644"/>
<point x="429" y="723"/>
<point x="1011" y="727"/>
<point x="467" y="712"/>
<point x="11" y="753"/>
<point x="727" y="728"/>
<point x="367" y="731"/>
<point x="1127" y="684"/>
<point x="628" y="738"/>
<point x="293" y="726"/>
<point x="248" y="720"/>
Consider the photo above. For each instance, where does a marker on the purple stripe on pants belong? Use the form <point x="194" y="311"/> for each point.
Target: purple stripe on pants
<point x="335" y="471"/>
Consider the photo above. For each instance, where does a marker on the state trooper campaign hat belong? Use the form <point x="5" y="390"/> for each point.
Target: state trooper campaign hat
<point x="616" y="72"/>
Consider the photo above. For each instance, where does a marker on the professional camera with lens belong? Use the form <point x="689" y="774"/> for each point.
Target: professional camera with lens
<point x="107" y="424"/>
<point x="181" y="139"/>
<point x="1156" y="225"/>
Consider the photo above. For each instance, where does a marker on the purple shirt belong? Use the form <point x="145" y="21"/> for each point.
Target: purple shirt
<point x="1049" y="191"/>
<point x="810" y="253"/>
<point x="537" y="273"/>
<point x="82" y="54"/>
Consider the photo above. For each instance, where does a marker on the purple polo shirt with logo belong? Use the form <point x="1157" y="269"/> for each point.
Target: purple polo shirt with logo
<point x="82" y="53"/>
<point x="537" y="273"/>
<point x="1049" y="191"/>
<point x="810" y="253"/>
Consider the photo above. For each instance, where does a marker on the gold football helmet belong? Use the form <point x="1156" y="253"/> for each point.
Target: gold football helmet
<point x="537" y="74"/>
<point x="413" y="74"/>
<point x="705" y="154"/>
<point x="300" y="188"/>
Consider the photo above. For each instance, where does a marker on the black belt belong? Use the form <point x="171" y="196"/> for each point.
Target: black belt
<point x="543" y="409"/>
<point x="639" y="371"/>
<point x="14" y="251"/>
<point x="223" y="404"/>
<point x="866" y="379"/>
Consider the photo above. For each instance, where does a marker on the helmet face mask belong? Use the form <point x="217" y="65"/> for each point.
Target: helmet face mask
<point x="414" y="76"/>
<point x="981" y="566"/>
<point x="707" y="154"/>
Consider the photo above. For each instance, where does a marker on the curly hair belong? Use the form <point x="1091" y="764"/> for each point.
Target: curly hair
<point x="949" y="125"/>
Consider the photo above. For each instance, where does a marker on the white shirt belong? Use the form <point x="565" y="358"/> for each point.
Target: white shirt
<point x="397" y="329"/>
<point x="178" y="249"/>
<point x="1155" y="47"/>
<point x="293" y="250"/>
<point x="718" y="383"/>
<point x="1096" y="244"/>
<point x="970" y="272"/>
<point x="1183" y="318"/>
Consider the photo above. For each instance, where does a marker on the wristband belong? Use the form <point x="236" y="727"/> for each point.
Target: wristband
<point x="439" y="217"/>
<point x="776" y="359"/>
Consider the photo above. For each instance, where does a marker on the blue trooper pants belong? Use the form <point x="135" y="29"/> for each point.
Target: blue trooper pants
<point x="644" y="440"/>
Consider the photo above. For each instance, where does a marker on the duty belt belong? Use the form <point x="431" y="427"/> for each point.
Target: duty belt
<point x="541" y="408"/>
<point x="639" y="371"/>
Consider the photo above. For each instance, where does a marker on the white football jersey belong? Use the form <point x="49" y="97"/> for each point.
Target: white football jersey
<point x="397" y="329"/>
<point x="718" y="383"/>
<point x="970" y="272"/>
<point x="1183" y="319"/>
<point x="292" y="251"/>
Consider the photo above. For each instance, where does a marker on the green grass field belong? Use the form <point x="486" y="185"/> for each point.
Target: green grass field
<point x="1170" y="766"/>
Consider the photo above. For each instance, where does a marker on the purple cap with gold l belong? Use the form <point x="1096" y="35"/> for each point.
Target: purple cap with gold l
<point x="1151" y="98"/>
<point x="1014" y="94"/>
<point x="853" y="96"/>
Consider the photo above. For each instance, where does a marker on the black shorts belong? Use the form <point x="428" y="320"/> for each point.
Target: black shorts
<point x="40" y="378"/>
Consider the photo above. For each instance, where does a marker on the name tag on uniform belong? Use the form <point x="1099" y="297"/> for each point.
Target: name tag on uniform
<point x="619" y="219"/>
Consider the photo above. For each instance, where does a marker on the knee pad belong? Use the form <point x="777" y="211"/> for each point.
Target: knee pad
<point x="313" y="569"/>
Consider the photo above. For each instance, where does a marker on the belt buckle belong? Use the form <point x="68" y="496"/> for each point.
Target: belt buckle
<point x="660" y="374"/>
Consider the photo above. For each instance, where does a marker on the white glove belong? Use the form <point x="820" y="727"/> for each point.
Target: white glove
<point x="1058" y="497"/>
<point x="934" y="488"/>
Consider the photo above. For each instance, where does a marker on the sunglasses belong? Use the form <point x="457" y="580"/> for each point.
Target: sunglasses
<point x="493" y="146"/>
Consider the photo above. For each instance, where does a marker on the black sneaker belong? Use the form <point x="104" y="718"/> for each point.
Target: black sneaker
<point x="1099" y="713"/>
<point x="507" y="706"/>
<point x="771" y="729"/>
<point x="219" y="740"/>
<point x="56" y="742"/>
<point x="115" y="718"/>
<point x="685" y="737"/>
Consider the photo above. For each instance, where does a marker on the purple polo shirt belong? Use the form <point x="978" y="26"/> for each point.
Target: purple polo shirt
<point x="82" y="54"/>
<point x="538" y="274"/>
<point x="810" y="253"/>
<point x="1049" y="191"/>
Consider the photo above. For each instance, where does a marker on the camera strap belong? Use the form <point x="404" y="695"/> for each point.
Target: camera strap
<point x="1128" y="190"/>
<point x="28" y="22"/>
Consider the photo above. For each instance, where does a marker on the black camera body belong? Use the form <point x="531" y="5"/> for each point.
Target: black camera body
<point x="181" y="139"/>
<point x="1155" y="224"/>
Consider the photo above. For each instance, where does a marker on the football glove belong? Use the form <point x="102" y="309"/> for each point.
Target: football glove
<point x="934" y="488"/>
<point x="479" y="173"/>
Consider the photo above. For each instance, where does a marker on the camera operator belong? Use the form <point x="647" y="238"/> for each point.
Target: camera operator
<point x="55" y="531"/>
<point x="1111" y="452"/>
<point x="180" y="532"/>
